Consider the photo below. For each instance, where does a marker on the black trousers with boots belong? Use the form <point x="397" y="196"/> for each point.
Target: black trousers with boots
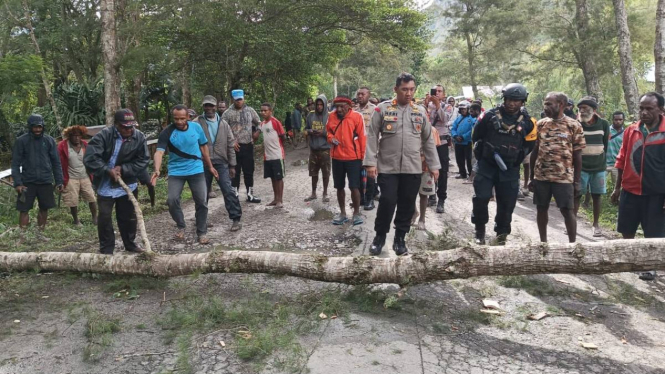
<point x="401" y="191"/>
<point x="126" y="218"/>
<point x="444" y="159"/>
<point x="506" y="199"/>
<point x="463" y="158"/>
<point x="244" y="164"/>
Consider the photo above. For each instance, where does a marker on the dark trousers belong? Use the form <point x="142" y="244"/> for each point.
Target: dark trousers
<point x="444" y="158"/>
<point x="244" y="164"/>
<point x="231" y="201"/>
<point x="506" y="198"/>
<point x="124" y="215"/>
<point x="370" y="190"/>
<point x="463" y="158"/>
<point x="397" y="190"/>
<point x="197" y="184"/>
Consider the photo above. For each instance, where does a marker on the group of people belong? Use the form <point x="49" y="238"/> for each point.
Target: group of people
<point x="394" y="152"/>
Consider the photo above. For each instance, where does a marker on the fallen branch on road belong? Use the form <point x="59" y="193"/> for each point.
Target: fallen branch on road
<point x="472" y="261"/>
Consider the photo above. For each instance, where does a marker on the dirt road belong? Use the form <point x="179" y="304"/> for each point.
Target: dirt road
<point x="61" y="323"/>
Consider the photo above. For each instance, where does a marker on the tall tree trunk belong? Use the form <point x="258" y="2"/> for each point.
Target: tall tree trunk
<point x="471" y="57"/>
<point x="185" y="76"/>
<point x="335" y="79"/>
<point x="110" y="57"/>
<point x="586" y="54"/>
<point x="659" y="47"/>
<point x="532" y="258"/>
<point x="45" y="81"/>
<point x="134" y="96"/>
<point x="630" y="93"/>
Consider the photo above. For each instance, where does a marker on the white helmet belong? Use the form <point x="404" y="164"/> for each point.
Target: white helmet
<point x="464" y="104"/>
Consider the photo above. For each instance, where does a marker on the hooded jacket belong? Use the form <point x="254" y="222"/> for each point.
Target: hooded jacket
<point x="35" y="160"/>
<point x="463" y="126"/>
<point x="221" y="149"/>
<point x="350" y="132"/>
<point x="318" y="122"/>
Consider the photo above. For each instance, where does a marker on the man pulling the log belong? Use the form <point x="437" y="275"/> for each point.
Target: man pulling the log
<point x="399" y="130"/>
<point x="117" y="152"/>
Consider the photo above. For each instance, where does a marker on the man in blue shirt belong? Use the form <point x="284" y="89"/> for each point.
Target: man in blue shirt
<point x="117" y="152"/>
<point x="187" y="147"/>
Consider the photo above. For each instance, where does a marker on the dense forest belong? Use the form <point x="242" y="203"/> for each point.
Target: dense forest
<point x="72" y="60"/>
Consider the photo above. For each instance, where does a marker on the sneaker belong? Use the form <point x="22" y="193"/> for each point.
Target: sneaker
<point x="340" y="220"/>
<point x="235" y="191"/>
<point x="203" y="240"/>
<point x="440" y="208"/>
<point x="480" y="235"/>
<point x="250" y="196"/>
<point x="137" y="249"/>
<point x="369" y="204"/>
<point x="357" y="220"/>
<point x="236" y="225"/>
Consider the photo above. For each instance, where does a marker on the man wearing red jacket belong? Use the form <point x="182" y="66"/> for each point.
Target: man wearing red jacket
<point x="346" y="133"/>
<point x="641" y="174"/>
<point x="76" y="180"/>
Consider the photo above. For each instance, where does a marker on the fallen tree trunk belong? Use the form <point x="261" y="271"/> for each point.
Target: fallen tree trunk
<point x="589" y="258"/>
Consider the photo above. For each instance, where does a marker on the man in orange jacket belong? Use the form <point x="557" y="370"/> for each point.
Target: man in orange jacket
<point x="346" y="133"/>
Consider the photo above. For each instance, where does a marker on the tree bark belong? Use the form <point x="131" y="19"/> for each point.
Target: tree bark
<point x="533" y="258"/>
<point x="659" y="47"/>
<point x="587" y="64"/>
<point x="628" y="79"/>
<point x="110" y="57"/>
<point x="139" y="216"/>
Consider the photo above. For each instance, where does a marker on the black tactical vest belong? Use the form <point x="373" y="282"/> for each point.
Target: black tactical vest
<point x="505" y="140"/>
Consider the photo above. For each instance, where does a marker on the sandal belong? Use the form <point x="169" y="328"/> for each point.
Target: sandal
<point x="340" y="220"/>
<point x="203" y="240"/>
<point x="325" y="199"/>
<point x="597" y="233"/>
<point x="179" y="235"/>
<point x="358" y="220"/>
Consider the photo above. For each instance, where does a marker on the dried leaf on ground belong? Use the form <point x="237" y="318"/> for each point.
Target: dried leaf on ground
<point x="537" y="316"/>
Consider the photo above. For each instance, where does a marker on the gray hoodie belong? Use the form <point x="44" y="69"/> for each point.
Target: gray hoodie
<point x="318" y="122"/>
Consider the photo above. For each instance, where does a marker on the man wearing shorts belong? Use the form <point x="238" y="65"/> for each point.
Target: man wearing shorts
<point x="319" y="148"/>
<point x="273" y="156"/>
<point x="76" y="180"/>
<point x="35" y="163"/>
<point x="346" y="133"/>
<point x="596" y="137"/>
<point x="640" y="190"/>
<point x="557" y="164"/>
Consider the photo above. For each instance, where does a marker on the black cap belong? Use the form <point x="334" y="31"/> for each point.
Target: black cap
<point x="124" y="117"/>
<point x="35" y="120"/>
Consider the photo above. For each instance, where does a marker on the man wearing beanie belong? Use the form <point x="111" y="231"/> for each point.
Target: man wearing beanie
<point x="346" y="132"/>
<point x="35" y="163"/>
<point x="596" y="135"/>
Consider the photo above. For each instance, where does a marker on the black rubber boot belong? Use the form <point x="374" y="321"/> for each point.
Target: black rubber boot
<point x="480" y="234"/>
<point x="377" y="244"/>
<point x="431" y="201"/>
<point x="399" y="245"/>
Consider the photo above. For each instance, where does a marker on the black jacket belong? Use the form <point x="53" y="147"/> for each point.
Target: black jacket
<point x="35" y="160"/>
<point x="133" y="157"/>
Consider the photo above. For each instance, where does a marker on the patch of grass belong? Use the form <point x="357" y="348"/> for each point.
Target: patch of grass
<point x="99" y="330"/>
<point x="184" y="360"/>
<point x="624" y="293"/>
<point x="376" y="363"/>
<point x="397" y="351"/>
<point x="444" y="241"/>
<point x="609" y="211"/>
<point x="473" y="316"/>
<point x="128" y="287"/>
<point x="531" y="285"/>
<point x="141" y="326"/>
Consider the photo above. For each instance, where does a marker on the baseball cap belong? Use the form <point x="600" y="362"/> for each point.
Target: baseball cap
<point x="125" y="118"/>
<point x="238" y="94"/>
<point x="209" y="99"/>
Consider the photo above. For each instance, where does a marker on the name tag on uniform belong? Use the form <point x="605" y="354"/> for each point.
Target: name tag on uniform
<point x="390" y="118"/>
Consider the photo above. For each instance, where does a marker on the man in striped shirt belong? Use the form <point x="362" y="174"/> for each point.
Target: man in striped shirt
<point x="596" y="135"/>
<point x="614" y="145"/>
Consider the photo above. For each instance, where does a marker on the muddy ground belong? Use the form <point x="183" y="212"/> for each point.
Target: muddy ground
<point x="73" y="323"/>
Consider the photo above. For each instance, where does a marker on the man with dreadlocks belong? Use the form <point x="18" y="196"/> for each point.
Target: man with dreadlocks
<point x="76" y="180"/>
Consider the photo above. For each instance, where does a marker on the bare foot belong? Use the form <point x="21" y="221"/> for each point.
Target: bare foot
<point x="272" y="203"/>
<point x="325" y="198"/>
<point x="421" y="226"/>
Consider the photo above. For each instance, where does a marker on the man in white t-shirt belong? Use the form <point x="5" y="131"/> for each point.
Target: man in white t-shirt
<point x="273" y="157"/>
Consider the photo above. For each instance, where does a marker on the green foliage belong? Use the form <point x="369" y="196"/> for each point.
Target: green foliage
<point x="99" y="330"/>
<point x="78" y="104"/>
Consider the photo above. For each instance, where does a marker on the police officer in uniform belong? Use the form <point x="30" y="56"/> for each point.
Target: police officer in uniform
<point x="400" y="129"/>
<point x="502" y="138"/>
